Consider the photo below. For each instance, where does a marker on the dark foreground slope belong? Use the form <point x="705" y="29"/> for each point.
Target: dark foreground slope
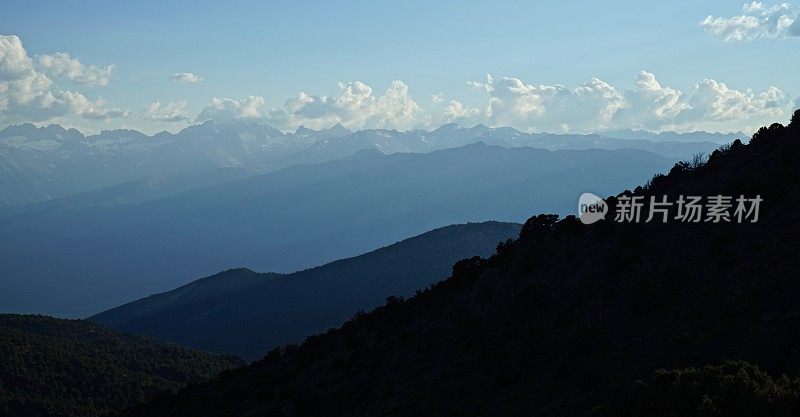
<point x="246" y="313"/>
<point x="52" y="367"/>
<point x="562" y="320"/>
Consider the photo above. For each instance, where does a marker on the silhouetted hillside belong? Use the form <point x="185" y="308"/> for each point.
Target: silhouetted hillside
<point x="246" y="313"/>
<point x="564" y="319"/>
<point x="65" y="368"/>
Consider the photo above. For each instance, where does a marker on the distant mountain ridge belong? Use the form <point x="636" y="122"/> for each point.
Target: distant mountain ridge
<point x="75" y="260"/>
<point x="668" y="136"/>
<point x="44" y="163"/>
<point x="246" y="313"/>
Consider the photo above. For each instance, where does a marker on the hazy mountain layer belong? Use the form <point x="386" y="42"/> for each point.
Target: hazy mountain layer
<point x="78" y="261"/>
<point x="39" y="164"/>
<point x="135" y="191"/>
<point x="247" y="314"/>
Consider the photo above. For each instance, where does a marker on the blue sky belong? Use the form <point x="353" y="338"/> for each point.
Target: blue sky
<point x="745" y="59"/>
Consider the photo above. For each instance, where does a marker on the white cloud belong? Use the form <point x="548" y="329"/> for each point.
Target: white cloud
<point x="93" y="110"/>
<point x="455" y="111"/>
<point x="590" y="106"/>
<point x="712" y="102"/>
<point x="437" y="98"/>
<point x="61" y="64"/>
<point x="355" y="107"/>
<point x="28" y="94"/>
<point x="14" y="60"/>
<point x="170" y="112"/>
<point x="649" y="105"/>
<point x="226" y="109"/>
<point x="753" y="7"/>
<point x="185" y="77"/>
<point x="758" y="22"/>
<point x="597" y="106"/>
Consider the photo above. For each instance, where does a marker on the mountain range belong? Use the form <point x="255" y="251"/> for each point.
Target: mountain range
<point x="44" y="163"/>
<point x="74" y="259"/>
<point x="246" y="313"/>
<point x="697" y="136"/>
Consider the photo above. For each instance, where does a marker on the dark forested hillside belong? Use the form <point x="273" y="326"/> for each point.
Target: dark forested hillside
<point x="566" y="318"/>
<point x="246" y="313"/>
<point x="731" y="389"/>
<point x="73" y="368"/>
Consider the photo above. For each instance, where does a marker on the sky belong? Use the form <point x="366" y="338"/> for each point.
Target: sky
<point x="565" y="66"/>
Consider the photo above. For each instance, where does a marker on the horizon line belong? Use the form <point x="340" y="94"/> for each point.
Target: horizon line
<point x="351" y="131"/>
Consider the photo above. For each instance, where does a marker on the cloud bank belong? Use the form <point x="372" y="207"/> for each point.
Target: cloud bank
<point x="597" y="106"/>
<point x="514" y="103"/>
<point x="29" y="93"/>
<point x="588" y="107"/>
<point x="356" y="106"/>
<point x="226" y="109"/>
